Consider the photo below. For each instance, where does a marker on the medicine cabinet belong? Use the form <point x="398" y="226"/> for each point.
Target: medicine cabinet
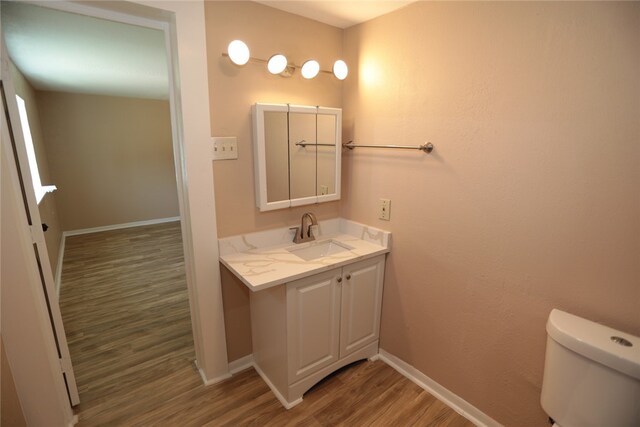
<point x="297" y="152"/>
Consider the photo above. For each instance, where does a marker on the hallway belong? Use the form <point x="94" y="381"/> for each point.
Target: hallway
<point x="126" y="313"/>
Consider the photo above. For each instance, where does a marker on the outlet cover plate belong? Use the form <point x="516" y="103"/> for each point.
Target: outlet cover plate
<point x="384" y="209"/>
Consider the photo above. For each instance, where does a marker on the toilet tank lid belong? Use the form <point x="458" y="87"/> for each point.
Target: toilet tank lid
<point x="593" y="341"/>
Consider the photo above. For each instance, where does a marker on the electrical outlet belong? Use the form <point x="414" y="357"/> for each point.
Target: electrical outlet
<point x="384" y="209"/>
<point x="225" y="147"/>
<point x="324" y="189"/>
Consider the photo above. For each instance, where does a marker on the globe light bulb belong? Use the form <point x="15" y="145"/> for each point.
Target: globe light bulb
<point x="277" y="63"/>
<point x="310" y="69"/>
<point x="238" y="52"/>
<point x="340" y="69"/>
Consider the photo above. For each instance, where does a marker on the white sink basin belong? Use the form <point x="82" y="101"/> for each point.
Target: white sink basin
<point x="316" y="250"/>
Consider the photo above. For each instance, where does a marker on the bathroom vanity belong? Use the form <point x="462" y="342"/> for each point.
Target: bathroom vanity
<point x="315" y="306"/>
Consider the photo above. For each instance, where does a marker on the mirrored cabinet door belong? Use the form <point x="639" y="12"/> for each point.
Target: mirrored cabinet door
<point x="302" y="155"/>
<point x="297" y="151"/>
<point x="276" y="141"/>
<point x="271" y="155"/>
<point x="328" y="153"/>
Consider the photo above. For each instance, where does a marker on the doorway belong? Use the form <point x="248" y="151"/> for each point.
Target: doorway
<point x="179" y="161"/>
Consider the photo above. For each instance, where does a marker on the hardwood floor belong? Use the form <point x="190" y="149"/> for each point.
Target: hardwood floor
<point x="126" y="313"/>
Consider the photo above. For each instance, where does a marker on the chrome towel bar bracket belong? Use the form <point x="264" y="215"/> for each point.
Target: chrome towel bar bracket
<point x="304" y="143"/>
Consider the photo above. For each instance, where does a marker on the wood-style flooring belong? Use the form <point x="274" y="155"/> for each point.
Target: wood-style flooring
<point x="126" y="314"/>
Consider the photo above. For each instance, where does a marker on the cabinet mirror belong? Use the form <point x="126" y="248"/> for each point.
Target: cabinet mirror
<point x="297" y="155"/>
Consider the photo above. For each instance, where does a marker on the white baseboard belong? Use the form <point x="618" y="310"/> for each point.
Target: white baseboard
<point x="241" y="364"/>
<point x="246" y="362"/>
<point x="119" y="226"/>
<point x="283" y="401"/>
<point x="446" y="396"/>
<point x="216" y="380"/>
<point x="452" y="400"/>
<point x="206" y="381"/>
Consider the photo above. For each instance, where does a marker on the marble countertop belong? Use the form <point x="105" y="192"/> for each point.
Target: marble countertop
<point x="261" y="260"/>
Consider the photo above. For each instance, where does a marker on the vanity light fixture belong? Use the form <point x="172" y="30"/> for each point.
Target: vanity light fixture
<point x="238" y="52"/>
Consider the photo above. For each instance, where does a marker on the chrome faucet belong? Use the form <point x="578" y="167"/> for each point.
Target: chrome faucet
<point x="303" y="233"/>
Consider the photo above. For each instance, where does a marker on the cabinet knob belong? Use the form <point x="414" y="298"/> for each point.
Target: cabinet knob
<point x="348" y="277"/>
<point x="339" y="279"/>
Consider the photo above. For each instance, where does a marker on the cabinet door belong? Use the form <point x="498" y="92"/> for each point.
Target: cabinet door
<point x="302" y="159"/>
<point x="313" y="319"/>
<point x="361" y="304"/>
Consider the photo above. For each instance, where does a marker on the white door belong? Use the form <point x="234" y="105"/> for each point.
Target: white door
<point x="313" y="318"/>
<point x="11" y="119"/>
<point x="361" y="304"/>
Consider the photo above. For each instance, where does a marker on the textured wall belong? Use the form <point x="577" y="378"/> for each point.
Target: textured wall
<point x="232" y="92"/>
<point x="110" y="157"/>
<point x="530" y="200"/>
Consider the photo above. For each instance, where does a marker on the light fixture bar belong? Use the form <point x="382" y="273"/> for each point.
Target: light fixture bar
<point x="264" y="61"/>
<point x="251" y="58"/>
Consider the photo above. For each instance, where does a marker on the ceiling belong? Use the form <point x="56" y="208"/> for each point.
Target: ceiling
<point x="61" y="51"/>
<point x="341" y="14"/>
<point x="66" y="52"/>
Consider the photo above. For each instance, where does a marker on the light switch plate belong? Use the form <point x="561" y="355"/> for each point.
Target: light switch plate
<point x="225" y="147"/>
<point x="384" y="209"/>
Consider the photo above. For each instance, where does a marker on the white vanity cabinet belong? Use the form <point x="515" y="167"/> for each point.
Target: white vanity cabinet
<point x="308" y="328"/>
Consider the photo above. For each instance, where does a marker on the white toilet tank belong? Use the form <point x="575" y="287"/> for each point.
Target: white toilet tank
<point x="591" y="374"/>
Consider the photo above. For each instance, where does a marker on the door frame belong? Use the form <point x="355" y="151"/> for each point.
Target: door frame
<point x="184" y="29"/>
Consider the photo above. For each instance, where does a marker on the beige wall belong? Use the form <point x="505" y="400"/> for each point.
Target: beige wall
<point x="48" y="206"/>
<point x="10" y="408"/>
<point x="530" y="200"/>
<point x="110" y="157"/>
<point x="237" y="317"/>
<point x="232" y="91"/>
